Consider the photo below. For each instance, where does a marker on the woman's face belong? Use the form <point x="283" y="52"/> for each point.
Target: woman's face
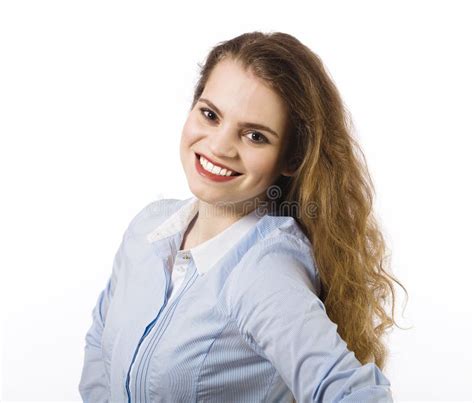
<point x="238" y="123"/>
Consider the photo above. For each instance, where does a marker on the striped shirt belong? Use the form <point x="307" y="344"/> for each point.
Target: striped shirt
<point x="206" y="254"/>
<point x="243" y="323"/>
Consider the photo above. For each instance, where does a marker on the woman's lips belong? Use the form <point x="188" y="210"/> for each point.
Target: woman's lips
<point x="210" y="175"/>
<point x="234" y="172"/>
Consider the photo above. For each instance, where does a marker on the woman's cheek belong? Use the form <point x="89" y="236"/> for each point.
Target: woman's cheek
<point x="194" y="129"/>
<point x="263" y="162"/>
<point x="189" y="132"/>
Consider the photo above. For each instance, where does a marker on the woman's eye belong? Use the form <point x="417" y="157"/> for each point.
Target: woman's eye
<point x="255" y="137"/>
<point x="208" y="114"/>
<point x="258" y="138"/>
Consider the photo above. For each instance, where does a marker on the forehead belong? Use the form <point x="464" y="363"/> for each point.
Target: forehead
<point x="239" y="94"/>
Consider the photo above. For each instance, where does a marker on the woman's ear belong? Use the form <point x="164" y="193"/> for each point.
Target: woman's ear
<point x="290" y="159"/>
<point x="290" y="168"/>
<point x="287" y="173"/>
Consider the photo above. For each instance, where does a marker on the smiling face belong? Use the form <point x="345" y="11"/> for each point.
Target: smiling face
<point x="239" y="123"/>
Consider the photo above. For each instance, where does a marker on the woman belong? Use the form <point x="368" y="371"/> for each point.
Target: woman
<point x="265" y="285"/>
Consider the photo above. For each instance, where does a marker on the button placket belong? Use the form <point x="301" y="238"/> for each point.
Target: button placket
<point x="183" y="262"/>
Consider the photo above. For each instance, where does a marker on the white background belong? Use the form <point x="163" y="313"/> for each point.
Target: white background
<point x="93" y="96"/>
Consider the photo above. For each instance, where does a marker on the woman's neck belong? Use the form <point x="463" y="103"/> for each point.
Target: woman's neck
<point x="211" y="220"/>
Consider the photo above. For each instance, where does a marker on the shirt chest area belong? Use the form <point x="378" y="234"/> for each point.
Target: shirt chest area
<point x="158" y="338"/>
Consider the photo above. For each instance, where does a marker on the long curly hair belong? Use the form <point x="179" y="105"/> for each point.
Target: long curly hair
<point x="331" y="175"/>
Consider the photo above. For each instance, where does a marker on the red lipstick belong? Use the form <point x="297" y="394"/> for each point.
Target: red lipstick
<point x="210" y="175"/>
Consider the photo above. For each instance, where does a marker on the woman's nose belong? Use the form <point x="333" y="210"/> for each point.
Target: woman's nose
<point x="223" y="143"/>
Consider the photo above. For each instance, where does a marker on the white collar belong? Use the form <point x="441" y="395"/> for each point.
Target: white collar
<point x="208" y="253"/>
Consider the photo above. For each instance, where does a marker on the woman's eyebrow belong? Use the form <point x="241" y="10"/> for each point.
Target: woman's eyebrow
<point x="242" y="124"/>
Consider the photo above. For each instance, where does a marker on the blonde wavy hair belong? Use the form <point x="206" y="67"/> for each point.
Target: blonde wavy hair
<point x="330" y="173"/>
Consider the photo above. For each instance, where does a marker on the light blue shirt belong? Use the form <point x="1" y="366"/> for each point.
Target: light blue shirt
<point x="245" y="325"/>
<point x="206" y="254"/>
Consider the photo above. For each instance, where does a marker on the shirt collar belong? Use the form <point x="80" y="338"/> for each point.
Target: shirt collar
<point x="176" y="222"/>
<point x="208" y="253"/>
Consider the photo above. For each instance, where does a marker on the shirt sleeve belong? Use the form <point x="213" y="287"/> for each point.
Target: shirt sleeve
<point x="279" y="314"/>
<point x="93" y="386"/>
<point x="94" y="383"/>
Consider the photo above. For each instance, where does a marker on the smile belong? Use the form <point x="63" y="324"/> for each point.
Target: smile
<point x="213" y="171"/>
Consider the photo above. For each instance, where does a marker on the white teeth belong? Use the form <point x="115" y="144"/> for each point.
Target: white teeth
<point x="208" y="166"/>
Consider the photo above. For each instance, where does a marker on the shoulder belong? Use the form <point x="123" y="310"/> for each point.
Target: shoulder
<point x="281" y="258"/>
<point x="152" y="215"/>
<point x="281" y="236"/>
<point x="135" y="245"/>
